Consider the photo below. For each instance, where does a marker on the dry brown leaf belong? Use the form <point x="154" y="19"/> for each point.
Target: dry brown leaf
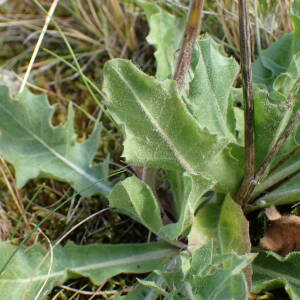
<point x="283" y="235"/>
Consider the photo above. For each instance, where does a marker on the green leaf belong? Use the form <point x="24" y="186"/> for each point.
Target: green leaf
<point x="36" y="148"/>
<point x="272" y="271"/>
<point x="204" y="275"/>
<point x="233" y="228"/>
<point x="276" y="59"/>
<point x="153" y="285"/>
<point x="176" y="182"/>
<point x="202" y="259"/>
<point x="194" y="188"/>
<point x="165" y="34"/>
<point x="223" y="221"/>
<point x="210" y="88"/>
<point x="271" y="118"/>
<point x="205" y="222"/>
<point x="159" y="131"/>
<point x="226" y="283"/>
<point x="34" y="271"/>
<point x="134" y="198"/>
<point x="273" y="61"/>
<point x="140" y="291"/>
<point x="289" y="192"/>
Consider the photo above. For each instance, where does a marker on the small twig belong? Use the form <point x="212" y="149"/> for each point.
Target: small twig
<point x="188" y="42"/>
<point x="245" y="45"/>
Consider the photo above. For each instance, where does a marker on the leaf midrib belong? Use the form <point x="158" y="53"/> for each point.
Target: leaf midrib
<point x="180" y="157"/>
<point x="157" y="254"/>
<point x="104" y="187"/>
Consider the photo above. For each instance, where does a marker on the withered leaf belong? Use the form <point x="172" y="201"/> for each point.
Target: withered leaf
<point x="283" y="235"/>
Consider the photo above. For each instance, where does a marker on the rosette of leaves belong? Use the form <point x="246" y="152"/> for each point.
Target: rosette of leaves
<point x="197" y="139"/>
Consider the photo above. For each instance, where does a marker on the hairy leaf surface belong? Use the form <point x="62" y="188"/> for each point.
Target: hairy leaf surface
<point x="223" y="221"/>
<point x="159" y="131"/>
<point x="210" y="88"/>
<point x="227" y="282"/>
<point x="36" y="148"/>
<point x="34" y="271"/>
<point x="133" y="197"/>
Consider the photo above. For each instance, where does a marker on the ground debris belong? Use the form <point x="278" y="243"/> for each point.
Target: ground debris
<point x="283" y="235"/>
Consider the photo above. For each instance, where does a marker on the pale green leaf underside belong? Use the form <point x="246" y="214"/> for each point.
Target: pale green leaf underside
<point x="36" y="148"/>
<point x="32" y="272"/>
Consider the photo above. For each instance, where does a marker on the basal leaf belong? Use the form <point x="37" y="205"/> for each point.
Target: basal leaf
<point x="165" y="35"/>
<point x="36" y="148"/>
<point x="133" y="197"/>
<point x="210" y="88"/>
<point x="205" y="275"/>
<point x="233" y="228"/>
<point x="222" y="221"/>
<point x="159" y="130"/>
<point x="34" y="272"/>
<point x="194" y="189"/>
<point x="205" y="223"/>
<point x="202" y="259"/>
<point x="271" y="119"/>
<point x="286" y="193"/>
<point x="272" y="271"/>
<point x="140" y="291"/>
<point x="273" y="61"/>
<point x="176" y="182"/>
<point x="225" y="283"/>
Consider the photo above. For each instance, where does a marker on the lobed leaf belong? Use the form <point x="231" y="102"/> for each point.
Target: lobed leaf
<point x="36" y="148"/>
<point x="165" y="35"/>
<point x="211" y="86"/>
<point x="159" y="131"/>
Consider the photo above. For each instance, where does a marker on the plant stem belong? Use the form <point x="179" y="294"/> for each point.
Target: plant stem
<point x="188" y="42"/>
<point x="245" y="46"/>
